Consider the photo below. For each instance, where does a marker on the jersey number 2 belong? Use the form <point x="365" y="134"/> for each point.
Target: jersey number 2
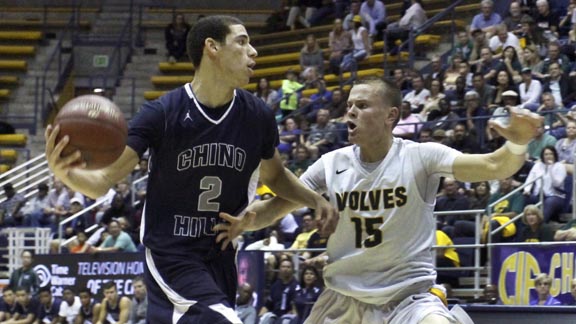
<point x="371" y="226"/>
<point x="212" y="187"/>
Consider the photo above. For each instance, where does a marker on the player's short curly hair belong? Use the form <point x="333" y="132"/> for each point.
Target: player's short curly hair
<point x="216" y="27"/>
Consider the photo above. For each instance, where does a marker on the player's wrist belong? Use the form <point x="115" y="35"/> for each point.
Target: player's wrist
<point x="516" y="149"/>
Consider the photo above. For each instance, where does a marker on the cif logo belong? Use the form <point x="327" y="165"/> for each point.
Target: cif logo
<point x="43" y="274"/>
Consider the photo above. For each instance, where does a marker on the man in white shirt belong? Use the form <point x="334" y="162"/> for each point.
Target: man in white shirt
<point x="418" y="96"/>
<point x="503" y="39"/>
<point x="530" y="90"/>
<point x="70" y="306"/>
<point x="377" y="11"/>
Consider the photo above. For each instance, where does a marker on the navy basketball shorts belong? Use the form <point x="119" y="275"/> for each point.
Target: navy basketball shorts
<point x="191" y="289"/>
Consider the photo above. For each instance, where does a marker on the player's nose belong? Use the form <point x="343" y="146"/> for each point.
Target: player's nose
<point x="252" y="52"/>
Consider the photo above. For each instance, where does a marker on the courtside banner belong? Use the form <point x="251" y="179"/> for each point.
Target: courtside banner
<point x="515" y="267"/>
<point x="89" y="271"/>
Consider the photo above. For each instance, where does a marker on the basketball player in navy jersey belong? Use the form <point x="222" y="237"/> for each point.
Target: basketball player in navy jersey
<point x="380" y="267"/>
<point x="209" y="143"/>
<point x="90" y="309"/>
<point x="115" y="309"/>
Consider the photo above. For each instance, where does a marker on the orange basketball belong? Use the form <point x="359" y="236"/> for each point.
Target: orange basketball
<point x="96" y="127"/>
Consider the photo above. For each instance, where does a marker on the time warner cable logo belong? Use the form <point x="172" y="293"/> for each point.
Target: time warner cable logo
<point x="44" y="275"/>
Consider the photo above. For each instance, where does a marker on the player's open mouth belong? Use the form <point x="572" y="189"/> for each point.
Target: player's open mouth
<point x="351" y="125"/>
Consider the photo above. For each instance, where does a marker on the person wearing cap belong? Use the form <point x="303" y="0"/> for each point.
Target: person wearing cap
<point x="502" y="113"/>
<point x="10" y="208"/>
<point x="530" y="90"/>
<point x="36" y="211"/>
<point x="476" y="116"/>
<point x="348" y="24"/>
<point x="487" y="19"/>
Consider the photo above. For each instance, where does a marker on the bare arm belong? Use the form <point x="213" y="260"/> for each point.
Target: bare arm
<point x="96" y="312"/>
<point x="102" y="313"/>
<point x="501" y="163"/>
<point x="92" y="183"/>
<point x="125" y="304"/>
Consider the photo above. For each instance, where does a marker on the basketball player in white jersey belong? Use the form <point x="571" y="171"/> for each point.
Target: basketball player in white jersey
<point x="380" y="267"/>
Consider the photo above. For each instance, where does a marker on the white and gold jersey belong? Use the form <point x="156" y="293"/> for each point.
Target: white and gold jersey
<point x="381" y="249"/>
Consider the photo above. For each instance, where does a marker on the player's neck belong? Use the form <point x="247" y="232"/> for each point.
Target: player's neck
<point x="375" y="153"/>
<point x="210" y="90"/>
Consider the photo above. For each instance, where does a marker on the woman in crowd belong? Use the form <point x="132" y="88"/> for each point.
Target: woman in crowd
<point x="479" y="195"/>
<point x="431" y="103"/>
<point x="307" y="292"/>
<point x="267" y="94"/>
<point x="503" y="83"/>
<point x="535" y="229"/>
<point x="543" y="282"/>
<point x="361" y="47"/>
<point x="340" y="43"/>
<point x="289" y="136"/>
<point x="512" y="63"/>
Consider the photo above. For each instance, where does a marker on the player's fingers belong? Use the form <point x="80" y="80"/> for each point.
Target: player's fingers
<point x="221" y="227"/>
<point x="50" y="135"/>
<point x="225" y="244"/>
<point x="229" y="218"/>
<point x="221" y="236"/>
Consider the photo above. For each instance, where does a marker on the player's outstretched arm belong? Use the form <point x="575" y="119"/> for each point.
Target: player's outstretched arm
<point x="69" y="169"/>
<point x="508" y="159"/>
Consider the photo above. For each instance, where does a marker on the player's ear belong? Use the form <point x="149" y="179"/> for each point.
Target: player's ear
<point x="394" y="115"/>
<point x="211" y="45"/>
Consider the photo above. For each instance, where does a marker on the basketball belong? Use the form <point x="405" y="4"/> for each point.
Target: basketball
<point x="96" y="127"/>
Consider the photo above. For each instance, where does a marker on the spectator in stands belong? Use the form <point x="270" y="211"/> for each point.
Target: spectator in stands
<point x="302" y="160"/>
<point x="114" y="307"/>
<point x="295" y="13"/>
<point x="69" y="308"/>
<point x="452" y="72"/>
<point x="450" y="199"/>
<point x="528" y="36"/>
<point x="425" y="135"/>
<point x="532" y="60"/>
<point x="555" y="55"/>
<point x="546" y="20"/>
<point x="290" y="93"/>
<point x="530" y="90"/>
<point x="90" y="309"/>
<point x="53" y="195"/>
<point x="409" y="124"/>
<point x="323" y="136"/>
<point x="566" y="147"/>
<point x="10" y="209"/>
<point x="81" y="245"/>
<point x="307" y="229"/>
<point x="479" y="195"/>
<point x="502" y="39"/>
<point x="551" y="111"/>
<point x="476" y="116"/>
<point x="535" y="230"/>
<point x="457" y="95"/>
<point x="414" y="17"/>
<point x="175" y="36"/>
<point x="267" y="94"/>
<point x="479" y="41"/>
<point x="340" y="44"/>
<point x="36" y="211"/>
<point x="487" y="20"/>
<point x="431" y="103"/>
<point x="377" y="11"/>
<point x="8" y="305"/>
<point x="310" y="106"/>
<point x="566" y="21"/>
<point x="446" y="257"/>
<point x="514" y="20"/>
<point x="436" y="73"/>
<point x="501" y="113"/>
<point x="282" y="294"/>
<point x="139" y="302"/>
<point x="488" y="66"/>
<point x="511" y="63"/>
<point x="49" y="306"/>
<point x="463" y="45"/>
<point x="307" y="292"/>
<point x="539" y="142"/>
<point x="25" y="276"/>
<point x="118" y="241"/>
<point x="289" y="136"/>
<point x="504" y="84"/>
<point x="337" y="106"/>
<point x="560" y="85"/>
<point x="463" y="141"/>
<point x="366" y="19"/>
<point x="543" y="282"/>
<point x="244" y="309"/>
<point x="443" y="118"/>
<point x="361" y="48"/>
<point x="117" y="209"/>
<point x="311" y="55"/>
<point x="553" y="174"/>
<point x="64" y="202"/>
<point x="402" y="80"/>
<point x="417" y="97"/>
<point x="439" y="136"/>
<point x="28" y="306"/>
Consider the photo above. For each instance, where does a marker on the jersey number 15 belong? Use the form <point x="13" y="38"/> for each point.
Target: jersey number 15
<point x="371" y="227"/>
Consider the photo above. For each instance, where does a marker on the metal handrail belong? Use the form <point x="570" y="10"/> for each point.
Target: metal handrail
<point x="73" y="217"/>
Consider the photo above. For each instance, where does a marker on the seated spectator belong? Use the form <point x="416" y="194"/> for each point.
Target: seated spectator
<point x="542" y="283"/>
<point x="412" y="19"/>
<point x="8" y="305"/>
<point x="361" y="48"/>
<point x="340" y="43"/>
<point x="488" y="19"/>
<point x="175" y="35"/>
<point x="295" y="13"/>
<point x="528" y="37"/>
<point x="479" y="195"/>
<point x="535" y="230"/>
<point x="560" y="85"/>
<point x="309" y="106"/>
<point x="139" y="302"/>
<point x="463" y="141"/>
<point x="546" y="20"/>
<point x="431" y="103"/>
<point x="514" y="20"/>
<point x="307" y="292"/>
<point x="49" y="306"/>
<point x="302" y="160"/>
<point x="475" y="116"/>
<point x="69" y="308"/>
<point x="366" y="19"/>
<point x="425" y="135"/>
<point x="28" y="306"/>
<point x="511" y="62"/>
<point x="450" y="199"/>
<point x="81" y="246"/>
<point x="530" y="90"/>
<point x="322" y="137"/>
<point x="551" y="111"/>
<point x="463" y="45"/>
<point x="289" y="136"/>
<point x="452" y="71"/>
<point x="488" y="66"/>
<point x="290" y="93"/>
<point x="118" y="208"/>
<point x="566" y="147"/>
<point x="376" y="10"/>
<point x="282" y="294"/>
<point x="114" y="307"/>
<point x="457" y="95"/>
<point x="244" y="309"/>
<point x="553" y="174"/>
<point x="337" y="106"/>
<point x="36" y="211"/>
<point x="417" y="97"/>
<point x="307" y="229"/>
<point x="504" y="84"/>
<point x="501" y="113"/>
<point x="443" y="118"/>
<point x="555" y="55"/>
<point x="10" y="209"/>
<point x="539" y="142"/>
<point x="90" y="309"/>
<point x="267" y="94"/>
<point x="25" y="276"/>
<point x="409" y="124"/>
<point x="118" y="241"/>
<point x="403" y="82"/>
<point x="485" y="91"/>
<point x="502" y="39"/>
<point x="311" y="55"/>
<point x="479" y="41"/>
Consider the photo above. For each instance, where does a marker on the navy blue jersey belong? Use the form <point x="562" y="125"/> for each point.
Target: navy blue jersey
<point x="49" y="313"/>
<point x="199" y="166"/>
